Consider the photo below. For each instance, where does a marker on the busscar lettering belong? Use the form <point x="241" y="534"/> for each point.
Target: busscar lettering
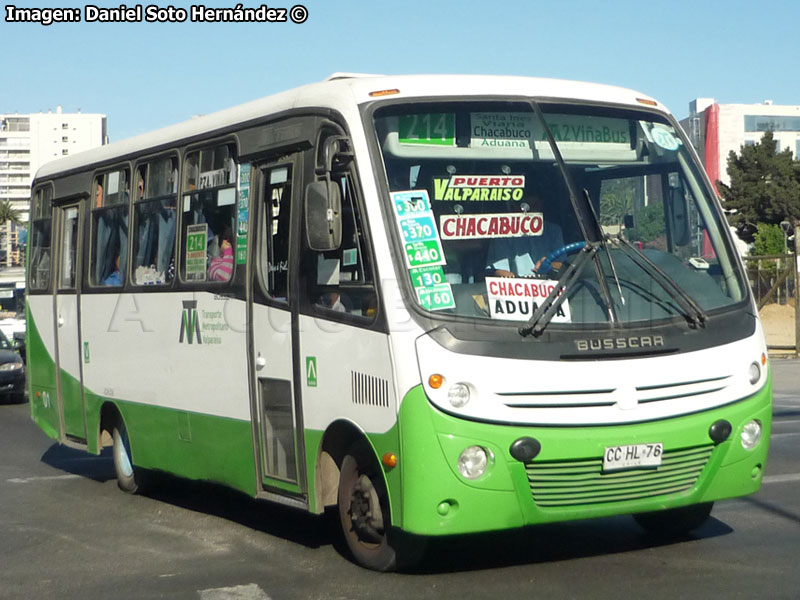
<point x="620" y="343"/>
<point x="43" y="16"/>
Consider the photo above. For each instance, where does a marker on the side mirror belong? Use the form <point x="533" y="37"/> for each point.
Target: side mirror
<point x="323" y="211"/>
<point x="679" y="218"/>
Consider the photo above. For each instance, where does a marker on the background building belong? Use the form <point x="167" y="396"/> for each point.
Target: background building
<point x="717" y="129"/>
<point x="27" y="141"/>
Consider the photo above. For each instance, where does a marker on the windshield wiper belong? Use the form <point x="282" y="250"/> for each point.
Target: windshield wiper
<point x="586" y="215"/>
<point x="695" y="315"/>
<point x="548" y="308"/>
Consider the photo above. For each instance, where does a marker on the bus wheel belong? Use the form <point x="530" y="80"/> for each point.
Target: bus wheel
<point x="674" y="522"/>
<point x="364" y="511"/>
<point x="128" y="479"/>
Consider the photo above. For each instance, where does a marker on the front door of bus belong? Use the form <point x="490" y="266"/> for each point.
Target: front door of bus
<point x="278" y="415"/>
<point x="68" y="356"/>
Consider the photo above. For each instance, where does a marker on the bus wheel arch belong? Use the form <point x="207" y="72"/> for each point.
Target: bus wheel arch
<point x="337" y="439"/>
<point x="349" y="476"/>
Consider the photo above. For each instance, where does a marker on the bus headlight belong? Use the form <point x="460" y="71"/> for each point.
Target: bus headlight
<point x="458" y="394"/>
<point x="472" y="462"/>
<point x="751" y="435"/>
<point x="754" y="373"/>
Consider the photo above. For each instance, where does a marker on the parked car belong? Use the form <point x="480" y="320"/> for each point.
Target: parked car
<point x="12" y="325"/>
<point x="12" y="372"/>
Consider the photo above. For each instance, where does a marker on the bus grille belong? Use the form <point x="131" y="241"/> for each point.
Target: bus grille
<point x="574" y="483"/>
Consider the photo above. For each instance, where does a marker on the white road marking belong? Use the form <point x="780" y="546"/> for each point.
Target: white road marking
<point x="782" y="478"/>
<point x="239" y="592"/>
<point x="47" y="478"/>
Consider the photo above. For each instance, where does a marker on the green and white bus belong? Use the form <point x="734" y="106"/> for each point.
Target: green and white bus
<point x="444" y="304"/>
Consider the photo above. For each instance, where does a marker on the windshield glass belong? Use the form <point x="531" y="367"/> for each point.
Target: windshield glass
<point x="487" y="224"/>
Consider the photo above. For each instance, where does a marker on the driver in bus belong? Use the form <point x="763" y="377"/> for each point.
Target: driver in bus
<point x="522" y="256"/>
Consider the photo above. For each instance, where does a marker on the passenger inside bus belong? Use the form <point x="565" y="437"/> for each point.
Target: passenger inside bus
<point x="220" y="267"/>
<point x="114" y="278"/>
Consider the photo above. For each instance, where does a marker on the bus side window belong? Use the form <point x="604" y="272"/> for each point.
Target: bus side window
<point x="41" y="225"/>
<point x="154" y="221"/>
<point x="209" y="213"/>
<point x="342" y="281"/>
<point x="109" y="243"/>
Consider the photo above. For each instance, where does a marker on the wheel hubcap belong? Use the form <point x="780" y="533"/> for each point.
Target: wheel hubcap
<point x="365" y="511"/>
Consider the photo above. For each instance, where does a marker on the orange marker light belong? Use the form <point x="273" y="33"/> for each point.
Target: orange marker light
<point x="390" y="459"/>
<point x="435" y="381"/>
<point x="647" y="101"/>
<point x="763" y="360"/>
<point x="384" y="93"/>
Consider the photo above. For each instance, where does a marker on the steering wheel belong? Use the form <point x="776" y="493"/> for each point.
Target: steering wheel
<point x="547" y="263"/>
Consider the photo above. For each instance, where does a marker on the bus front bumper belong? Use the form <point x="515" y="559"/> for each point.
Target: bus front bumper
<point x="565" y="481"/>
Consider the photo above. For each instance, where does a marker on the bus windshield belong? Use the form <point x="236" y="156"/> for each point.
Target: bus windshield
<point x="488" y="219"/>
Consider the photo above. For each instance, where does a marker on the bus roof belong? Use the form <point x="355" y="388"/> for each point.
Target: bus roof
<point x="342" y="91"/>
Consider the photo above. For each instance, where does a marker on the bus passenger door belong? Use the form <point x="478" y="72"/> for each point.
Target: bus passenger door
<point x="68" y="353"/>
<point x="278" y="416"/>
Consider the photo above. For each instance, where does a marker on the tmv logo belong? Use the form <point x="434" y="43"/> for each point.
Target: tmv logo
<point x="190" y="325"/>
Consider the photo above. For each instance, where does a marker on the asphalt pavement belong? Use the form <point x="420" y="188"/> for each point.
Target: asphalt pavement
<point x="66" y="531"/>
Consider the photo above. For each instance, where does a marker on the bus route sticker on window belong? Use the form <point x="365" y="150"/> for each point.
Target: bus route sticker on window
<point x="516" y="299"/>
<point x="428" y="129"/>
<point x="196" y="240"/>
<point x="479" y="188"/>
<point x="495" y="225"/>
<point x="243" y="213"/>
<point x="502" y="130"/>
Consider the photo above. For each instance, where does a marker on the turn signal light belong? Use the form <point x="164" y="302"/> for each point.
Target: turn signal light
<point x="390" y="459"/>
<point x="435" y="381"/>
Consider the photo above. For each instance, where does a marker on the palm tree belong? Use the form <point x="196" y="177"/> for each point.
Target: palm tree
<point x="8" y="214"/>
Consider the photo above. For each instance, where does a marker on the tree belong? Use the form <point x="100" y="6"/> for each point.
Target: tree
<point x="768" y="239"/>
<point x="9" y="214"/>
<point x="764" y="188"/>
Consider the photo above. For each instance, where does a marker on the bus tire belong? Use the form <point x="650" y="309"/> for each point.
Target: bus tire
<point x="674" y="522"/>
<point x="364" y="511"/>
<point x="128" y="478"/>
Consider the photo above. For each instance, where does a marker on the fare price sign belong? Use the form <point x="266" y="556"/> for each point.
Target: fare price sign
<point x="418" y="229"/>
<point x="437" y="297"/>
<point x="423" y="249"/>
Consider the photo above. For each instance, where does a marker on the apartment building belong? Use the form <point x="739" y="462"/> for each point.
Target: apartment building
<point x="27" y="141"/>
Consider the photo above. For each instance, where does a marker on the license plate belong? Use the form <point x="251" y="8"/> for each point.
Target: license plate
<point x="632" y="456"/>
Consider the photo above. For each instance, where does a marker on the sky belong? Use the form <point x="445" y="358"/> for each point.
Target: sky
<point x="144" y="76"/>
